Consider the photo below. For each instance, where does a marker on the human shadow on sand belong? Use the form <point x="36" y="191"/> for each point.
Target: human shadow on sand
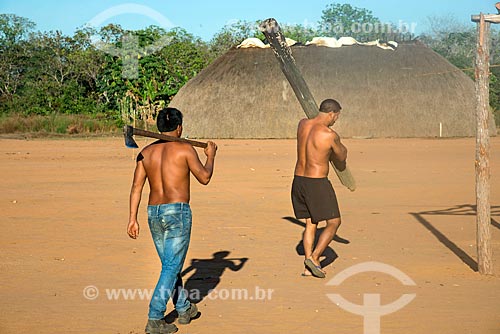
<point x="329" y="253"/>
<point x="208" y="272"/>
<point x="206" y="275"/>
<point x="458" y="210"/>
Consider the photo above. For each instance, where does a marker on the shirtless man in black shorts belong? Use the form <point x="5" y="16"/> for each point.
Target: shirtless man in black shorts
<point x="313" y="197"/>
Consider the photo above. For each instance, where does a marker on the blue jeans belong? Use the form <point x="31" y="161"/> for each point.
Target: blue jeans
<point x="170" y="226"/>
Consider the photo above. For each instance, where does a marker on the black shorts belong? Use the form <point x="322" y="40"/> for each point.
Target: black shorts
<point x="314" y="198"/>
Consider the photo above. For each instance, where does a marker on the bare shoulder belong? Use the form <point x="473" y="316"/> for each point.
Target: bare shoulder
<point x="151" y="147"/>
<point x="185" y="149"/>
<point x="325" y="131"/>
<point x="177" y="147"/>
<point x="331" y="133"/>
<point x="335" y="134"/>
<point x="302" y="122"/>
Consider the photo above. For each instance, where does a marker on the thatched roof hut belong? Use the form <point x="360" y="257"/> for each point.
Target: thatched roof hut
<point x="408" y="92"/>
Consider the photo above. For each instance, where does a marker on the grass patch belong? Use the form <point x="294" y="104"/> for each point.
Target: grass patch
<point x="58" y="124"/>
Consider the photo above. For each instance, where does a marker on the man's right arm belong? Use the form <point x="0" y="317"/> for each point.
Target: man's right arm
<point x="135" y="199"/>
<point x="203" y="173"/>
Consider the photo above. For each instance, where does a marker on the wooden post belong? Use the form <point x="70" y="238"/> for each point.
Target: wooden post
<point x="483" y="216"/>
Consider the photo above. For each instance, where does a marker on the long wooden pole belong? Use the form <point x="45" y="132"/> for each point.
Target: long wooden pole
<point x="483" y="217"/>
<point x="272" y="31"/>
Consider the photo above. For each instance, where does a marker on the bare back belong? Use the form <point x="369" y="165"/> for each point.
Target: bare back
<point x="167" y="166"/>
<point x="167" y="172"/>
<point x="317" y="144"/>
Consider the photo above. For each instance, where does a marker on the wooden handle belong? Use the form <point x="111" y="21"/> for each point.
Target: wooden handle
<point x="160" y="136"/>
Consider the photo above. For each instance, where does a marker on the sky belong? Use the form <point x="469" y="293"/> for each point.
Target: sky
<point x="205" y="18"/>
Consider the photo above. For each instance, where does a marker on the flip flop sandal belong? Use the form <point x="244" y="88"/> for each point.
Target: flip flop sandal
<point x="315" y="270"/>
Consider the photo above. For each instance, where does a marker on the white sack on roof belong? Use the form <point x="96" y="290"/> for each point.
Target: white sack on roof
<point x="257" y="43"/>
<point x="332" y="42"/>
<point x="252" y="43"/>
<point x="290" y="41"/>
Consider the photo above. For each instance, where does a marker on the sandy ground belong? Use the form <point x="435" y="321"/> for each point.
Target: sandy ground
<point x="64" y="206"/>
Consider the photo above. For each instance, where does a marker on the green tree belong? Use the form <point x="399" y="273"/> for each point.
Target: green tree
<point x="88" y="61"/>
<point x="458" y="47"/>
<point x="14" y="31"/>
<point x="451" y="39"/>
<point x="184" y="57"/>
<point x="160" y="74"/>
<point x="345" y="20"/>
<point x="59" y="74"/>
<point x="457" y="43"/>
<point x="233" y="34"/>
<point x="299" y="33"/>
<point x="53" y="69"/>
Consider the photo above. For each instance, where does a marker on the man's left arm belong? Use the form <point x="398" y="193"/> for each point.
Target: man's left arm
<point x="339" y="151"/>
<point x="135" y="199"/>
<point x="338" y="154"/>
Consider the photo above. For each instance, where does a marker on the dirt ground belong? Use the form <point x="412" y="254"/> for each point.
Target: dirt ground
<point x="64" y="206"/>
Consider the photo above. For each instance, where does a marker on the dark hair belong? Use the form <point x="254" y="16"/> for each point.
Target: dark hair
<point x="168" y="119"/>
<point x="330" y="105"/>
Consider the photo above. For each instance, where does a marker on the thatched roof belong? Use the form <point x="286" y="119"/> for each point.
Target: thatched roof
<point x="403" y="93"/>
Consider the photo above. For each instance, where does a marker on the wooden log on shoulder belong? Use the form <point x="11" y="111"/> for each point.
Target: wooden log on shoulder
<point x="271" y="29"/>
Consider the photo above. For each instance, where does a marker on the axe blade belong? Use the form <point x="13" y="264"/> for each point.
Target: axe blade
<point x="128" y="133"/>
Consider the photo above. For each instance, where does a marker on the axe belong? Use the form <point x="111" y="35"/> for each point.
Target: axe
<point x="283" y="53"/>
<point x="129" y="132"/>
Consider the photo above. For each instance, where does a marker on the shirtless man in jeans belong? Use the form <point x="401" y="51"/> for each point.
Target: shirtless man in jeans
<point x="167" y="167"/>
<point x="313" y="197"/>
